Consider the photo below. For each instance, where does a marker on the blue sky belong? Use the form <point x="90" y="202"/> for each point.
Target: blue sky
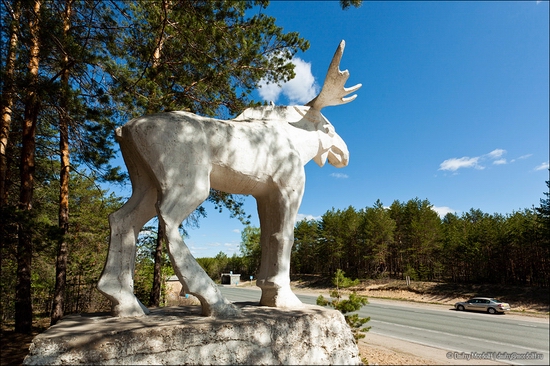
<point x="454" y="107"/>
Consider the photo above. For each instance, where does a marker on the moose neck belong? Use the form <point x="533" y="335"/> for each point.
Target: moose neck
<point x="305" y="126"/>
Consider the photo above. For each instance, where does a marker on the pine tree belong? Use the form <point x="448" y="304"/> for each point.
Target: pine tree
<point x="250" y="249"/>
<point x="353" y="303"/>
<point x="543" y="212"/>
<point x="23" y="304"/>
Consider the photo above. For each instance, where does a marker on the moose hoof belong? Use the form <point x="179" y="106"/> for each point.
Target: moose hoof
<point x="280" y="298"/>
<point x="224" y="310"/>
<point x="134" y="309"/>
<point x="129" y="306"/>
<point x="124" y="302"/>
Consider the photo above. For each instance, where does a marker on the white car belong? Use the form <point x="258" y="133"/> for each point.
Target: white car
<point x="492" y="306"/>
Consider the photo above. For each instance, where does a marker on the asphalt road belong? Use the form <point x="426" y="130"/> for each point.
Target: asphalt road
<point x="464" y="336"/>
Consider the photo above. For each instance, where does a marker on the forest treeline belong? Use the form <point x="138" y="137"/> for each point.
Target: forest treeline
<point x="410" y="239"/>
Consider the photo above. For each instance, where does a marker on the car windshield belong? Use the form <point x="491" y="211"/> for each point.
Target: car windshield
<point x="495" y="300"/>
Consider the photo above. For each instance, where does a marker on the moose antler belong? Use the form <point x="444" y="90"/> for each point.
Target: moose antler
<point x="334" y="91"/>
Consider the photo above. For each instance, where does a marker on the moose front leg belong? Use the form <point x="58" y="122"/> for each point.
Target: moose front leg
<point x="277" y="211"/>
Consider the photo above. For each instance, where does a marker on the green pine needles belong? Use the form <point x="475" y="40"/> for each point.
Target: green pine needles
<point x="353" y="303"/>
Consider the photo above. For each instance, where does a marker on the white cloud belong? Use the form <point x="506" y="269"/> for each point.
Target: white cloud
<point x="543" y="166"/>
<point x="269" y="92"/>
<point x="199" y="251"/>
<point x="339" y="175"/>
<point x="443" y="210"/>
<point x="212" y="249"/>
<point x="456" y="163"/>
<point x="526" y="156"/>
<point x="302" y="88"/>
<point x="301" y="217"/>
<point x="299" y="90"/>
<point x="497" y="153"/>
<point x="236" y="231"/>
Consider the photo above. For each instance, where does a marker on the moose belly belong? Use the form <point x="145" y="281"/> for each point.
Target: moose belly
<point x="228" y="180"/>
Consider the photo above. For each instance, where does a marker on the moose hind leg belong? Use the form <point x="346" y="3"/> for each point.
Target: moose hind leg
<point x="117" y="280"/>
<point x="175" y="205"/>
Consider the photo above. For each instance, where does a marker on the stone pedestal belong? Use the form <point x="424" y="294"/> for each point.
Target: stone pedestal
<point x="179" y="335"/>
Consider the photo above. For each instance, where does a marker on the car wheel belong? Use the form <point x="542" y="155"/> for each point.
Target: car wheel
<point x="460" y="308"/>
<point x="492" y="311"/>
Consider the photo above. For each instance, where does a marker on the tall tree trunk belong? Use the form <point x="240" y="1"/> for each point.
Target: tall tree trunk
<point x="23" y="303"/>
<point x="154" y="299"/>
<point x="62" y="250"/>
<point x="8" y="97"/>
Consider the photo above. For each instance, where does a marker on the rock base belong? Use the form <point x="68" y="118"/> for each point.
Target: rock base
<point x="179" y="335"/>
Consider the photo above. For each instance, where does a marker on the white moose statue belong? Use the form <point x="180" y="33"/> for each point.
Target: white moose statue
<point x="174" y="159"/>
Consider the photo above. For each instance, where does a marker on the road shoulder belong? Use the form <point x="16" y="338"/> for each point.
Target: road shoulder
<point x="383" y="350"/>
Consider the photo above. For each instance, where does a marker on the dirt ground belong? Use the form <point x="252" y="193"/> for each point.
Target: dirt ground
<point x="375" y="349"/>
<point x="379" y="350"/>
<point x="14" y="347"/>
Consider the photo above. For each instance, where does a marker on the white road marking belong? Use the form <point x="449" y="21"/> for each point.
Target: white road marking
<point x="458" y="335"/>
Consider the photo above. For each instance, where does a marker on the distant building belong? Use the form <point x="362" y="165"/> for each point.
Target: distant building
<point x="230" y="279"/>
